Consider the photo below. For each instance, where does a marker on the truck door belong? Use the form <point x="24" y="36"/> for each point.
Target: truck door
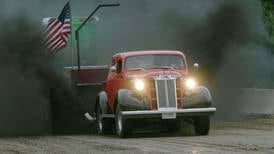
<point x="114" y="81"/>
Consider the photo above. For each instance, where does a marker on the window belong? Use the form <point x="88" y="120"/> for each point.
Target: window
<point x="119" y="66"/>
<point x="155" y="62"/>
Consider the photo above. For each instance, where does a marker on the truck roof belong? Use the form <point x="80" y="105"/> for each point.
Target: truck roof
<point x="148" y="52"/>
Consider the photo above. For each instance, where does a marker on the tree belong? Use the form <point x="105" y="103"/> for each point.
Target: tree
<point x="268" y="16"/>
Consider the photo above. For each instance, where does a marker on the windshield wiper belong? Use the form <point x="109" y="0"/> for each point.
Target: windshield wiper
<point x="164" y="67"/>
<point x="135" y="69"/>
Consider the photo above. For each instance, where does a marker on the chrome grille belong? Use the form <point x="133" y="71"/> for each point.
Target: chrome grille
<point x="166" y="93"/>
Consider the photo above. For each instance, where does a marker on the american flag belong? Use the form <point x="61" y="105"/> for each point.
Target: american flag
<point x="57" y="31"/>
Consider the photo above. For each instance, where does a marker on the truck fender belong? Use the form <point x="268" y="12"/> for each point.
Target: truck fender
<point x="131" y="100"/>
<point x="102" y="101"/>
<point x="201" y="98"/>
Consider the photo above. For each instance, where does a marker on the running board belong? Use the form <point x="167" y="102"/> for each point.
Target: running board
<point x="108" y="116"/>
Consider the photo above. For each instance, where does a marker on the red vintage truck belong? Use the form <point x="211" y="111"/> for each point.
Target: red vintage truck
<point x="145" y="86"/>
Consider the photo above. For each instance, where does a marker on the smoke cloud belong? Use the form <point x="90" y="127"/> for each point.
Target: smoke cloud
<point x="34" y="99"/>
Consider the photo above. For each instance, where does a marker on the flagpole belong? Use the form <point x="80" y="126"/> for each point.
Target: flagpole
<point x="80" y="27"/>
<point x="71" y="37"/>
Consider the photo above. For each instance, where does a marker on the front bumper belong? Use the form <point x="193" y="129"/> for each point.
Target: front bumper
<point x="180" y="113"/>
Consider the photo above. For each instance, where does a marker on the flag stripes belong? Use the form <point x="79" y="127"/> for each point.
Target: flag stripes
<point x="57" y="31"/>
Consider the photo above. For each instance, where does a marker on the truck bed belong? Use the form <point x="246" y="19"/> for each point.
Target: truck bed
<point x="88" y="83"/>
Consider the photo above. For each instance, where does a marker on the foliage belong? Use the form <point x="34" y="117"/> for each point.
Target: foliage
<point x="268" y="16"/>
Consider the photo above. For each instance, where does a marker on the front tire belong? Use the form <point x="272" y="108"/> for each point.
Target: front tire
<point x="103" y="125"/>
<point x="123" y="128"/>
<point x="202" y="125"/>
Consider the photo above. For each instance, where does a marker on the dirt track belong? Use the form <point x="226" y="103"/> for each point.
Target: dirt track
<point x="249" y="135"/>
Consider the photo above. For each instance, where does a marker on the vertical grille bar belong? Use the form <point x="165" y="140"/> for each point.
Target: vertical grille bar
<point x="171" y="86"/>
<point x="161" y="94"/>
<point x="153" y="96"/>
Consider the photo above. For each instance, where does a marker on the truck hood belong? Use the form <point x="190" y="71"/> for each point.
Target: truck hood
<point x="155" y="73"/>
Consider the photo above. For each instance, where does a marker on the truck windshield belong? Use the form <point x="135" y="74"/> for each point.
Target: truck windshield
<point x="154" y="62"/>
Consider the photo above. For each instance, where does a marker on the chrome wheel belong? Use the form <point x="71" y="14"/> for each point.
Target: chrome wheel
<point x="99" y="121"/>
<point x="123" y="128"/>
<point x="119" y="122"/>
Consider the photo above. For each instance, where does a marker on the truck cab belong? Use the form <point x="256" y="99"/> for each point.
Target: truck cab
<point x="151" y="85"/>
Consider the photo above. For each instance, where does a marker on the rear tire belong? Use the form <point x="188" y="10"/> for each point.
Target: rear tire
<point x="123" y="128"/>
<point x="202" y="125"/>
<point x="104" y="126"/>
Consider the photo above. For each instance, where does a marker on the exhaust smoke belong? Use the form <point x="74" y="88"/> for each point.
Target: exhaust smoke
<point x="34" y="98"/>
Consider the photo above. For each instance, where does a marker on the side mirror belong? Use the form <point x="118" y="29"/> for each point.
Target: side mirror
<point x="196" y="66"/>
<point x="113" y="69"/>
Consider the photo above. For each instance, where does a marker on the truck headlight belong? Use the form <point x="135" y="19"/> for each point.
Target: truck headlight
<point x="191" y="84"/>
<point x="139" y="85"/>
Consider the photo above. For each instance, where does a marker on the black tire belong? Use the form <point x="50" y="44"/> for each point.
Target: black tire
<point x="173" y="126"/>
<point x="123" y="127"/>
<point x="104" y="126"/>
<point x="202" y="125"/>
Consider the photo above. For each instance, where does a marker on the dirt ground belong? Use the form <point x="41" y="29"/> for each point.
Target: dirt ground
<point x="252" y="134"/>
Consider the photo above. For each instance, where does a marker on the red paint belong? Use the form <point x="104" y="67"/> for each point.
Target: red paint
<point x="116" y="81"/>
<point x="90" y="75"/>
